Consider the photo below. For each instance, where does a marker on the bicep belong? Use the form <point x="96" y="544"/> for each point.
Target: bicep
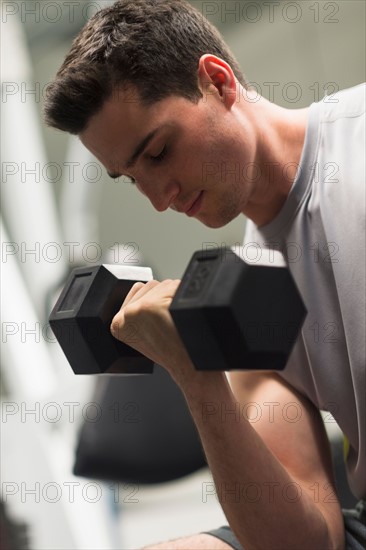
<point x="293" y="430"/>
<point x="290" y="426"/>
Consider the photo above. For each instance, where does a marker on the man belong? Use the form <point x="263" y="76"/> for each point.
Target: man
<point x="153" y="92"/>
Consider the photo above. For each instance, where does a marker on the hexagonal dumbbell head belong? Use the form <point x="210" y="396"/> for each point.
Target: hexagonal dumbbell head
<point x="234" y="315"/>
<point x="83" y="314"/>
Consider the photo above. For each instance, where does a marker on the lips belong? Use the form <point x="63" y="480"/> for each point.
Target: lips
<point x="195" y="206"/>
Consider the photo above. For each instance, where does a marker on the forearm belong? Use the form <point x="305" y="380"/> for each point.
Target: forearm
<point x="266" y="508"/>
<point x="237" y="455"/>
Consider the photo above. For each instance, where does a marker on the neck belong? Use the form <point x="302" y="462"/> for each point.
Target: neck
<point x="280" y="140"/>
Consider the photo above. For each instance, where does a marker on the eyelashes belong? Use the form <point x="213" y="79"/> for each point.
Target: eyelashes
<point x="154" y="159"/>
<point x="160" y="156"/>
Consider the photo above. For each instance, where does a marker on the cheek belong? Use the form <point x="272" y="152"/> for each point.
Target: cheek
<point x="185" y="165"/>
<point x="199" y="164"/>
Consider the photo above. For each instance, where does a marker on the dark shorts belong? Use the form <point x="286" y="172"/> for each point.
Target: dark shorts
<point x="354" y="523"/>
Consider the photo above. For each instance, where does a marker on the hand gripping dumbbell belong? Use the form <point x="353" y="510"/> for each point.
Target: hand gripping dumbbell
<point x="230" y="315"/>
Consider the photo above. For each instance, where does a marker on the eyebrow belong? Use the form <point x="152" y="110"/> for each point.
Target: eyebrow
<point x="137" y="152"/>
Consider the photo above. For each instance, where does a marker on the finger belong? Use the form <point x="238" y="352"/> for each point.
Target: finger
<point x="122" y="329"/>
<point x="159" y="289"/>
<point x="138" y="290"/>
<point x="155" y="290"/>
<point x="132" y="292"/>
<point x="169" y="287"/>
<point x="141" y="290"/>
<point x="162" y="292"/>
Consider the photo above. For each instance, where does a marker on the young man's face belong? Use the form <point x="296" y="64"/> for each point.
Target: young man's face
<point x="184" y="156"/>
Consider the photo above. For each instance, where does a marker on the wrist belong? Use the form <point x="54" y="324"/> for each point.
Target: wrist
<point x="203" y="385"/>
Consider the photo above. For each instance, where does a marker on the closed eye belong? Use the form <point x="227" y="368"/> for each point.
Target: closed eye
<point x="160" y="156"/>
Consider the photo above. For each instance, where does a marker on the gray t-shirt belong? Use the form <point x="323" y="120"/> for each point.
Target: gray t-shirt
<point x="320" y="231"/>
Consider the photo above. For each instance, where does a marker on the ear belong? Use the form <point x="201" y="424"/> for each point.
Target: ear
<point x="216" y="77"/>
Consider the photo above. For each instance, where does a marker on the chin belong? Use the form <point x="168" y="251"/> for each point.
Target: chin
<point x="214" y="223"/>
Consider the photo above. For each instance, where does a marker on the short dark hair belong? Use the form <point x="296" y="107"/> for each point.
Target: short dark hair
<point x="154" y="45"/>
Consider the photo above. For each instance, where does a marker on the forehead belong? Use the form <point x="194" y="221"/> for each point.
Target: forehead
<point x="124" y="121"/>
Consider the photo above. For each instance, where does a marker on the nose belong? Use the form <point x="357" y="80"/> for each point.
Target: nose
<point x="159" y="194"/>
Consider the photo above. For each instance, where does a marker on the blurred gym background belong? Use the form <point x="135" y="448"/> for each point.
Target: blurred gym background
<point x="70" y="479"/>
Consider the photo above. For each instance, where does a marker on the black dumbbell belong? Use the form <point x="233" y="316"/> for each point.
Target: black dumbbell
<point x="83" y="314"/>
<point x="235" y="315"/>
<point x="230" y="314"/>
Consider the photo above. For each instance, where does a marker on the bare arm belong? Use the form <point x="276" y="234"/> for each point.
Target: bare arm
<point x="270" y="461"/>
<point x="288" y="463"/>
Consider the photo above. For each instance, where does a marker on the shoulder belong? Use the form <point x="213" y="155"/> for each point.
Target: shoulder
<point x="348" y="103"/>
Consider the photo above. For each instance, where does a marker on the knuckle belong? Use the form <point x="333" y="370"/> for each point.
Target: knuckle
<point x="151" y="284"/>
<point x="130" y="312"/>
<point x="138" y="285"/>
<point x="115" y="326"/>
<point x="136" y="310"/>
